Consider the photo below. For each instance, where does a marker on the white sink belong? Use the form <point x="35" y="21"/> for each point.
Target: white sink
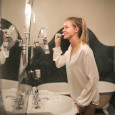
<point x="52" y="104"/>
<point x="58" y="87"/>
<point x="8" y="84"/>
<point x="8" y="96"/>
<point x="8" y="90"/>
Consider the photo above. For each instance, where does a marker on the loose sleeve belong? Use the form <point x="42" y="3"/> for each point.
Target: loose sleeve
<point x="3" y="55"/>
<point x="91" y="90"/>
<point x="60" y="60"/>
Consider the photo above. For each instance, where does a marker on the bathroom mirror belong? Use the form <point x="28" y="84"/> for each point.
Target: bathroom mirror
<point x="10" y="69"/>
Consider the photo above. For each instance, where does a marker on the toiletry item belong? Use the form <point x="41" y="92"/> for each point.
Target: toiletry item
<point x="37" y="74"/>
<point x="61" y="34"/>
<point x="46" y="47"/>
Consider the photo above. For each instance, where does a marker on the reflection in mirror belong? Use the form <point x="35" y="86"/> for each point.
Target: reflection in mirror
<point x="3" y="52"/>
<point x="9" y="71"/>
<point x="2" y="110"/>
<point x="1" y="38"/>
<point x="11" y="37"/>
<point x="10" y="68"/>
<point x="26" y="38"/>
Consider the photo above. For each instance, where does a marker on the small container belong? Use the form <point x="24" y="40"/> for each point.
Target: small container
<point x="37" y="74"/>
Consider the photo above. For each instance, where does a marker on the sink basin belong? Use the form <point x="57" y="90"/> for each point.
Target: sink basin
<point x="49" y="103"/>
<point x="8" y="96"/>
<point x="52" y="104"/>
<point x="58" y="87"/>
<point x="10" y="99"/>
<point x="8" y="84"/>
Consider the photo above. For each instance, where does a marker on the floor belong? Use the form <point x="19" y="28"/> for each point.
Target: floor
<point x="110" y="109"/>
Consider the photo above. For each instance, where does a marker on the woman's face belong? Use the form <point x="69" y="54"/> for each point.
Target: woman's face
<point x="69" y="30"/>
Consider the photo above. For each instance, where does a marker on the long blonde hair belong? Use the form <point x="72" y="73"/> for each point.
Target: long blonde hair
<point x="83" y="31"/>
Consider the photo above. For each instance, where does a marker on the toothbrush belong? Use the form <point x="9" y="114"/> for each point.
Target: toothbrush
<point x="61" y="34"/>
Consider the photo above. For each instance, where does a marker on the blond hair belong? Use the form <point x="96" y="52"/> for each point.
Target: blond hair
<point x="83" y="32"/>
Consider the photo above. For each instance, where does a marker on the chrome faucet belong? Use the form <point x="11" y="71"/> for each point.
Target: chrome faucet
<point x="20" y="100"/>
<point x="36" y="98"/>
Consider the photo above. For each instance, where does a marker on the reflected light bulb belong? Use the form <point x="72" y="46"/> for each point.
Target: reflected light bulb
<point x="28" y="11"/>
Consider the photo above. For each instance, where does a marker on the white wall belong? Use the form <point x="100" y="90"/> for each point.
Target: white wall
<point x="13" y="11"/>
<point x="99" y="16"/>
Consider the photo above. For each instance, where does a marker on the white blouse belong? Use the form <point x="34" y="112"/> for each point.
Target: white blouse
<point x="3" y="55"/>
<point x="82" y="73"/>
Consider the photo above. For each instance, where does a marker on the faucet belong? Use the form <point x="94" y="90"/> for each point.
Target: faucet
<point x="36" y="98"/>
<point x="13" y="98"/>
<point x="42" y="42"/>
<point x="7" y="96"/>
<point x="20" y="100"/>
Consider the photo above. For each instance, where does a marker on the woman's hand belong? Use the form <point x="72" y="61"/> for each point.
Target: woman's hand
<point x="58" y="37"/>
<point x="77" y="108"/>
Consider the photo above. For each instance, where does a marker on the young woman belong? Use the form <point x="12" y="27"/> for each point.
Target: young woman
<point x="82" y="72"/>
<point x="3" y="54"/>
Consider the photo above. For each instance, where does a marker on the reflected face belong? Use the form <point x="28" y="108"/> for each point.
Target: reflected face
<point x="3" y="30"/>
<point x="68" y="30"/>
